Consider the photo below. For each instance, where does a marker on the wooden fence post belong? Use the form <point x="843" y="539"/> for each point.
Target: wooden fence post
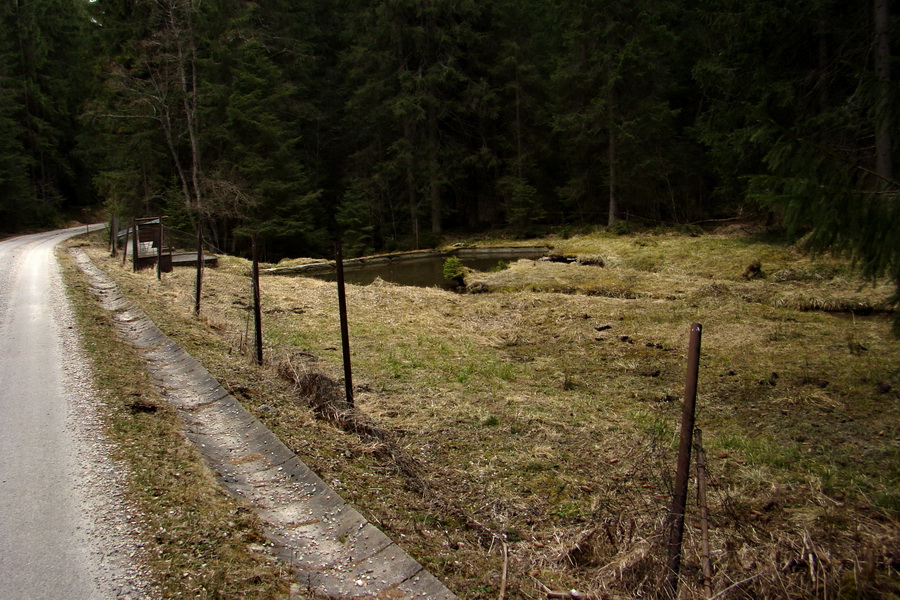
<point x="135" y="244"/>
<point x="159" y="243"/>
<point x="125" y="247"/>
<point x="199" y="284"/>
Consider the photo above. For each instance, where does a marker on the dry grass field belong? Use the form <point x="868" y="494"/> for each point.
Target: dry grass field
<point x="531" y="428"/>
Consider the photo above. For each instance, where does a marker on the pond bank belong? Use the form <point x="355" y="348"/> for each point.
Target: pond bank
<point x="420" y="268"/>
<point x="328" y="266"/>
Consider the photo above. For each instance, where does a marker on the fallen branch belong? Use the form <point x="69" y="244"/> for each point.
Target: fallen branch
<point x="735" y="585"/>
<point x="574" y="594"/>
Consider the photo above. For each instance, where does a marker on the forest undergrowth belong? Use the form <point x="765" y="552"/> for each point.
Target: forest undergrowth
<point x="530" y="430"/>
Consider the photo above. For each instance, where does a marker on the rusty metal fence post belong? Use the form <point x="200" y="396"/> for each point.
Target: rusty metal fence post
<point x="257" y="303"/>
<point x="345" y="333"/>
<point x="682" y="472"/>
<point x="199" y="283"/>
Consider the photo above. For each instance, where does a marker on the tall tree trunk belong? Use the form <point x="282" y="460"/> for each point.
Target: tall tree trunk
<point x="613" y="156"/>
<point x="409" y="135"/>
<point x="518" y="125"/>
<point x="31" y="136"/>
<point x="883" y="165"/>
<point x="823" y="64"/>
<point x="613" y="177"/>
<point x="431" y="59"/>
<point x="411" y="182"/>
<point x="434" y="185"/>
<point x="187" y="73"/>
<point x="166" y="123"/>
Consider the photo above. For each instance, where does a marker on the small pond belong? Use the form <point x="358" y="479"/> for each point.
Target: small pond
<point x="429" y="271"/>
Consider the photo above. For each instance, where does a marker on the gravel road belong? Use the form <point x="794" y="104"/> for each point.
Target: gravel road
<point x="66" y="531"/>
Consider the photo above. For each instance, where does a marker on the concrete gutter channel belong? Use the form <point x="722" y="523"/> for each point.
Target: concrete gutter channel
<point x="332" y="549"/>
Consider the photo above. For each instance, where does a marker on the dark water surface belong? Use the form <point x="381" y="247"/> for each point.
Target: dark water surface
<point x="424" y="272"/>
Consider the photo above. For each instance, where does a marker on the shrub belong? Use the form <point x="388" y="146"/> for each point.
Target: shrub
<point x="620" y="228"/>
<point x="453" y="268"/>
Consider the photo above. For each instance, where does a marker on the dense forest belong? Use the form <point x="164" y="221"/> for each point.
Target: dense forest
<point x="396" y="121"/>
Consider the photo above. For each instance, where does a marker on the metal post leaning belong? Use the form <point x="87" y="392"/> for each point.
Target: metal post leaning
<point x="679" y="496"/>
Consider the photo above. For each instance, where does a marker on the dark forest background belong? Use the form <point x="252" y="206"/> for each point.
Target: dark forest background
<point x="397" y="121"/>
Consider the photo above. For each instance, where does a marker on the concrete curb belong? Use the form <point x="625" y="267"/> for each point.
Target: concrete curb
<point x="333" y="550"/>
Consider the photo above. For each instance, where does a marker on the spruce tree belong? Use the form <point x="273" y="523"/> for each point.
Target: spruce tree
<point x="521" y="140"/>
<point x="44" y="79"/>
<point x="796" y="106"/>
<point x="14" y="185"/>
<point x="613" y="111"/>
<point x="415" y="82"/>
